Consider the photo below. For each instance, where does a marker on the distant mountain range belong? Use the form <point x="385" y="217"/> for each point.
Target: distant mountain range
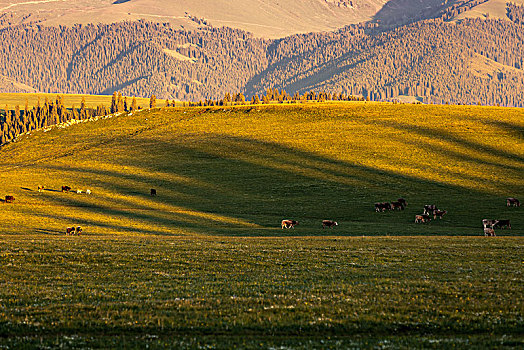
<point x="437" y="51"/>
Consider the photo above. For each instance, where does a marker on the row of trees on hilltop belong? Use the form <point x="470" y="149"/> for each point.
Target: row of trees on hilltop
<point x="17" y="121"/>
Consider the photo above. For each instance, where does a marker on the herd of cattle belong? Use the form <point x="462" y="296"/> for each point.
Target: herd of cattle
<point x="430" y="210"/>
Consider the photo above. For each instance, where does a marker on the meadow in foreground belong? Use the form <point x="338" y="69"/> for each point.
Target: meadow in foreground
<point x="299" y="292"/>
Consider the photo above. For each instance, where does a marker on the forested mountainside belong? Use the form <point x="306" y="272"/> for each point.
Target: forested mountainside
<point x="137" y="58"/>
<point x="469" y="61"/>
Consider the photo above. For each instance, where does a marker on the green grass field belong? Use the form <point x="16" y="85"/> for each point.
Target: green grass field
<point x="206" y="264"/>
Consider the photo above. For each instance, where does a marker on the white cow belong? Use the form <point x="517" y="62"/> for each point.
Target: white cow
<point x="88" y="192"/>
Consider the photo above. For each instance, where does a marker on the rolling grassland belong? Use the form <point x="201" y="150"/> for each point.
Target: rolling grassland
<point x="70" y="100"/>
<point x="205" y="262"/>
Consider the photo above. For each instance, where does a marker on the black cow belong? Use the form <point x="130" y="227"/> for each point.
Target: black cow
<point x="153" y="192"/>
<point x="403" y="202"/>
<point x="382" y="206"/>
<point x="439" y="213"/>
<point x="397" y="205"/>
<point x="502" y="224"/>
<point x="429" y="209"/>
<point x="512" y="202"/>
<point x="9" y="199"/>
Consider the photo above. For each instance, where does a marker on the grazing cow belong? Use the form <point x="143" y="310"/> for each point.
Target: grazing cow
<point x="153" y="192"/>
<point x="88" y="191"/>
<point x="78" y="191"/>
<point x="512" y="202"/>
<point x="502" y="224"/>
<point x="489" y="232"/>
<point x="41" y="188"/>
<point x="422" y="218"/>
<point x="403" y="201"/>
<point x="488" y="223"/>
<point x="71" y="231"/>
<point x="439" y="213"/>
<point x="66" y="188"/>
<point x="289" y="223"/>
<point x="9" y="199"/>
<point x="328" y="223"/>
<point x="382" y="206"/>
<point x="397" y="205"/>
<point x="429" y="209"/>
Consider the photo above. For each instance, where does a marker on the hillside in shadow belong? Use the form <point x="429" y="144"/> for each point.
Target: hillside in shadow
<point x="226" y="183"/>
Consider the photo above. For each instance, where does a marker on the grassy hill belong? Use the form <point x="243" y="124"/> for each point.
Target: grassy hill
<point x="206" y="264"/>
<point x="240" y="171"/>
<point x="92" y="101"/>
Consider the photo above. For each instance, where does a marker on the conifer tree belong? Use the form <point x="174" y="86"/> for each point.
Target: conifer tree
<point x="114" y="106"/>
<point x="83" y="111"/>
<point x="120" y="103"/>
<point x="133" y="104"/>
<point x="152" y="101"/>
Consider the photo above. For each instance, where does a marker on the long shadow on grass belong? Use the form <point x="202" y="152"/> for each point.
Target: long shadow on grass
<point x="259" y="183"/>
<point x="433" y="133"/>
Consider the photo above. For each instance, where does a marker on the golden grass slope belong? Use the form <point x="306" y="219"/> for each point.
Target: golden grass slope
<point x="70" y="100"/>
<point x="239" y="171"/>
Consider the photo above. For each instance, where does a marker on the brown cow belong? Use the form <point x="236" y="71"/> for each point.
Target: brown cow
<point x="439" y="213"/>
<point x="328" y="223"/>
<point x="66" y="188"/>
<point x="397" y="205"/>
<point x="489" y="232"/>
<point x="9" y="199"/>
<point x="289" y="223"/>
<point x="512" y="202"/>
<point x="422" y="218"/>
<point x="70" y="231"/>
<point x="41" y="188"/>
